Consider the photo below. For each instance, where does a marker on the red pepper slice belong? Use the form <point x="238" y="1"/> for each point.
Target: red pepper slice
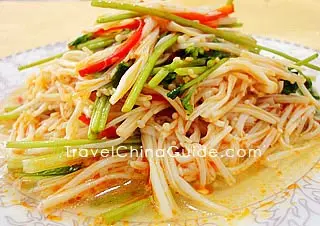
<point x="83" y="118"/>
<point x="215" y="15"/>
<point x="132" y="25"/>
<point x="157" y="97"/>
<point x="213" y="24"/>
<point x="118" y="54"/>
<point x="110" y="132"/>
<point x="93" y="96"/>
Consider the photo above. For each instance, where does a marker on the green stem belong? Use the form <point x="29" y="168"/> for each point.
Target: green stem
<point x="186" y="101"/>
<point x="180" y="63"/>
<point x="104" y="115"/>
<point x="92" y="43"/>
<point x="68" y="158"/>
<point x="143" y="76"/>
<point x="233" y="25"/>
<point x="119" y="213"/>
<point x="158" y="78"/>
<point x="91" y="134"/>
<point x="95" y="120"/>
<point x="107" y="18"/>
<point x="180" y="89"/>
<point x="49" y="143"/>
<point x="286" y="56"/>
<point x="39" y="62"/>
<point x="100" y="45"/>
<point x="204" y="75"/>
<point x="183" y="71"/>
<point x="81" y="39"/>
<point x="53" y="172"/>
<point x="10" y="108"/>
<point x="230" y="36"/>
<point x="307" y="60"/>
<point x="9" y="116"/>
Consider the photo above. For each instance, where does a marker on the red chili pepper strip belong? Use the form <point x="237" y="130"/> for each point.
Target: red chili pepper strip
<point x="109" y="133"/>
<point x="118" y="54"/>
<point x="158" y="97"/>
<point x="213" y="24"/>
<point x="132" y="25"/>
<point x="83" y="118"/>
<point x="93" y="96"/>
<point x="215" y="15"/>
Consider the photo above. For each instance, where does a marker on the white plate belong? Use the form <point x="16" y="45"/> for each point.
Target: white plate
<point x="299" y="205"/>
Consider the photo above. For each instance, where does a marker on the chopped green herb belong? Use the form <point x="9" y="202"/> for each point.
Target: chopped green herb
<point x="168" y="79"/>
<point x="174" y="93"/>
<point x="289" y="88"/>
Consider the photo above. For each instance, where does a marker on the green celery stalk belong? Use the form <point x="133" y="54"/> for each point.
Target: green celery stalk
<point x="53" y="172"/>
<point x="100" y="45"/>
<point x="143" y="76"/>
<point x="158" y="77"/>
<point x="119" y="213"/>
<point x="91" y="134"/>
<point x="91" y="41"/>
<point x="186" y="101"/>
<point x="204" y="75"/>
<point x="185" y="70"/>
<point x="286" y="56"/>
<point x="308" y="59"/>
<point x="81" y="39"/>
<point x="49" y="143"/>
<point x="97" y="43"/>
<point x="230" y="36"/>
<point x="107" y="18"/>
<point x="9" y="116"/>
<point x="95" y="120"/>
<point x="90" y="44"/>
<point x="175" y="92"/>
<point x="63" y="159"/>
<point x="10" y="108"/>
<point x="104" y="115"/>
<point x="233" y="25"/>
<point x="39" y="62"/>
<point x="180" y="63"/>
<point x="49" y="162"/>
